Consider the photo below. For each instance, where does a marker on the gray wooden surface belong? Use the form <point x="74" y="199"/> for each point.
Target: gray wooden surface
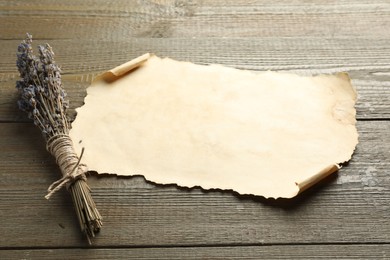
<point x="345" y="216"/>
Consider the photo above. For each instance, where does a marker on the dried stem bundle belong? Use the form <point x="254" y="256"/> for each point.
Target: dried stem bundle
<point x="44" y="100"/>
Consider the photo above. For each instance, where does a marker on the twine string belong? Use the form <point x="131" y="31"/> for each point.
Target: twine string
<point x="61" y="147"/>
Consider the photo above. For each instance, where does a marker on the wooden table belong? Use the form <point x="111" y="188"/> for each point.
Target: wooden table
<point x="345" y="216"/>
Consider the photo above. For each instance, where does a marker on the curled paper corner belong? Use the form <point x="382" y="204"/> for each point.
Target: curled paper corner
<point x="269" y="134"/>
<point x="115" y="73"/>
<point x="309" y="182"/>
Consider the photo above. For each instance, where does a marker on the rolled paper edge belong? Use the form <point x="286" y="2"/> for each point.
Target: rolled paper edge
<point x="122" y="69"/>
<point x="305" y="184"/>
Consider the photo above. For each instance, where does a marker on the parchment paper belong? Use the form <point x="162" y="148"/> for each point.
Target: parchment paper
<point x="263" y="133"/>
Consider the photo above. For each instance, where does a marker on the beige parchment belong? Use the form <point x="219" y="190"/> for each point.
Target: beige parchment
<point x="263" y="133"/>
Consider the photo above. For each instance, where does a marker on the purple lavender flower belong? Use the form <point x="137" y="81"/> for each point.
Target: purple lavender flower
<point x="44" y="100"/>
<point x="40" y="89"/>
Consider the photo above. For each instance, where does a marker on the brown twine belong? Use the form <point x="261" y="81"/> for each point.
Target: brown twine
<point x="61" y="147"/>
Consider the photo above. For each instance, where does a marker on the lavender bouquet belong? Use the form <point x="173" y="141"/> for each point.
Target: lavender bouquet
<point x="44" y="100"/>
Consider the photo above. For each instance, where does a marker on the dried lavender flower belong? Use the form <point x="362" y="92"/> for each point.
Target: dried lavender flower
<point x="44" y="100"/>
<point x="41" y="89"/>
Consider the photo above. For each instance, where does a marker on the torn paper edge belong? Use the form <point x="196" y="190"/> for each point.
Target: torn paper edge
<point x="302" y="185"/>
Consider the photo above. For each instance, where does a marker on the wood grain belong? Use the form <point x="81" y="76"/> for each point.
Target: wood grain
<point x="346" y="216"/>
<point x="313" y="55"/>
<point x="188" y="19"/>
<point x="81" y="62"/>
<point x="225" y="253"/>
<point x="352" y="208"/>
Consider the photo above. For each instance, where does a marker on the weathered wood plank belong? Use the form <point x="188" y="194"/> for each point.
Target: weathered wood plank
<point x="313" y="55"/>
<point x="80" y="62"/>
<point x="157" y="19"/>
<point x="352" y="208"/>
<point x="345" y="217"/>
<point x="244" y="252"/>
<point x="372" y="87"/>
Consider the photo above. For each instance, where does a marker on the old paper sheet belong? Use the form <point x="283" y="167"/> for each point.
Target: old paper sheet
<point x="263" y="133"/>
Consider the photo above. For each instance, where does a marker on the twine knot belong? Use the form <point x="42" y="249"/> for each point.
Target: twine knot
<point x="61" y="147"/>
